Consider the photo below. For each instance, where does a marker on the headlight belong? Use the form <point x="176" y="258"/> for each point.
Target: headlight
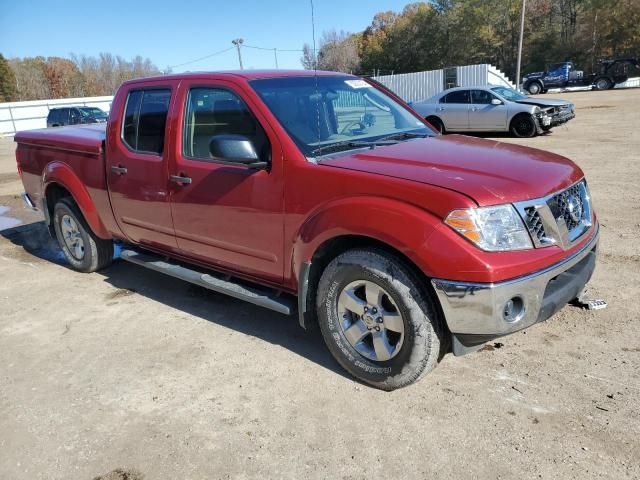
<point x="494" y="229"/>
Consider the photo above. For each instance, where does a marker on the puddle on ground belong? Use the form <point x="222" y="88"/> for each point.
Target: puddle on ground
<point x="5" y="220"/>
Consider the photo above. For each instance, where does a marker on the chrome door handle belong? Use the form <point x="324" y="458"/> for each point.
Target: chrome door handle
<point x="119" y="170"/>
<point x="440" y="109"/>
<point x="180" y="180"/>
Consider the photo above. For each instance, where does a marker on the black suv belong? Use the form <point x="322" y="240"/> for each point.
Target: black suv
<point x="75" y="115"/>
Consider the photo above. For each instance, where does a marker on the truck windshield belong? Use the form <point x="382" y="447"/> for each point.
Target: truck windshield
<point x="509" y="93"/>
<point x="322" y="112"/>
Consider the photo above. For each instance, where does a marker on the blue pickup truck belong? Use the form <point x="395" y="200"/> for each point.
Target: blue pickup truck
<point x="563" y="75"/>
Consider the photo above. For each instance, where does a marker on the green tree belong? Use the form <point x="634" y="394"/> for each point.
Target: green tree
<point x="8" y="89"/>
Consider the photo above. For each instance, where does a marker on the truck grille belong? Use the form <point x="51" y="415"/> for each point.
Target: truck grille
<point x="534" y="223"/>
<point x="568" y="205"/>
<point x="560" y="218"/>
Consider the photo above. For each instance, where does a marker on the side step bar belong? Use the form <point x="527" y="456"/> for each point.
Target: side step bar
<point x="261" y="297"/>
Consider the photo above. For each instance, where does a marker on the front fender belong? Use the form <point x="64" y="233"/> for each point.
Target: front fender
<point x="61" y="174"/>
<point x="402" y="226"/>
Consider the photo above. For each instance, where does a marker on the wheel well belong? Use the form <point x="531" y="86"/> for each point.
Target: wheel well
<point x="331" y="248"/>
<point x="518" y="115"/>
<point x="53" y="194"/>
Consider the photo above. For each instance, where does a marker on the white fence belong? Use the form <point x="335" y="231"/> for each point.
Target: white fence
<point x="416" y="86"/>
<point x="16" y="116"/>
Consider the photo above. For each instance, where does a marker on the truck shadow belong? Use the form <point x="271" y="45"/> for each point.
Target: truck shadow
<point x="216" y="308"/>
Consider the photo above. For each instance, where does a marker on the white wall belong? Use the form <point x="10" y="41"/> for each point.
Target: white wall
<point x="412" y="87"/>
<point x="16" y="116"/>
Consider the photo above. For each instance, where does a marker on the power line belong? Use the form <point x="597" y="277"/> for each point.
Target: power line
<point x="274" y="50"/>
<point x="202" y="58"/>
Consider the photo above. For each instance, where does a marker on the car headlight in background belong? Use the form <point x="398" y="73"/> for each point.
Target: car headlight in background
<point x="494" y="229"/>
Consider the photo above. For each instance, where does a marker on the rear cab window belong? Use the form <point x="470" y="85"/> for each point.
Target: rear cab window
<point x="145" y="118"/>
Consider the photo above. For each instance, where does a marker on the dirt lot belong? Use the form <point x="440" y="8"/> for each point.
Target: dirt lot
<point x="130" y="369"/>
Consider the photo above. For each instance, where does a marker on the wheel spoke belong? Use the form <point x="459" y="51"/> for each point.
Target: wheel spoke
<point x="356" y="332"/>
<point x="351" y="302"/>
<point x="373" y="293"/>
<point x="382" y="347"/>
<point x="393" y="321"/>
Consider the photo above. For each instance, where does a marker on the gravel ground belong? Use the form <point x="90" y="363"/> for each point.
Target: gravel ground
<point x="128" y="369"/>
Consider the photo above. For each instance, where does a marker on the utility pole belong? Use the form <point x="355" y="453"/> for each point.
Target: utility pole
<point x="275" y="55"/>
<point x="524" y="2"/>
<point x="238" y="42"/>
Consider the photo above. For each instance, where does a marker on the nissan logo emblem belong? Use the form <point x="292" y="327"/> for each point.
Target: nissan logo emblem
<point x="574" y="208"/>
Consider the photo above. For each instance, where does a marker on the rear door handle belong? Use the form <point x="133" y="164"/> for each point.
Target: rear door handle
<point x="119" y="170"/>
<point x="180" y="180"/>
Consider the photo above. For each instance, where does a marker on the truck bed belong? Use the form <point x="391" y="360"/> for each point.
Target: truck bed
<point x="77" y="138"/>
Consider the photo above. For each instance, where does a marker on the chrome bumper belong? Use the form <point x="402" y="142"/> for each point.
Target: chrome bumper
<point x="27" y="201"/>
<point x="476" y="312"/>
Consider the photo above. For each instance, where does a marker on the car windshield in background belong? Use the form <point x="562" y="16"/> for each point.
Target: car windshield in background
<point x="509" y="93"/>
<point x="93" y="112"/>
<point x="327" y="114"/>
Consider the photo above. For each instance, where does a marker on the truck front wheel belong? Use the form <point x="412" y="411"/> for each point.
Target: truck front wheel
<point x="534" y="88"/>
<point x="377" y="320"/>
<point x="84" y="251"/>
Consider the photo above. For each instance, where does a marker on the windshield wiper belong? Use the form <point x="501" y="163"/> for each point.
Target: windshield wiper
<point x="341" y="146"/>
<point x="404" y="136"/>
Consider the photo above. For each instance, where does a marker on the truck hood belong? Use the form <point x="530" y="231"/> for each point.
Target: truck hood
<point x="487" y="171"/>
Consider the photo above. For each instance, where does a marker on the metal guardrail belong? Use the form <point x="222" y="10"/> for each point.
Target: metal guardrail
<point x="29" y="115"/>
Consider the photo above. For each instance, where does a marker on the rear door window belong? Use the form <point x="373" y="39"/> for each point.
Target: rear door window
<point x="459" y="96"/>
<point x="145" y="118"/>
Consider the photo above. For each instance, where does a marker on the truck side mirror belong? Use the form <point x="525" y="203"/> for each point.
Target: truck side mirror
<point x="234" y="149"/>
<point x="496" y="101"/>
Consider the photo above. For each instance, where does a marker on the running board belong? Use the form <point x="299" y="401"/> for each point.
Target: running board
<point x="261" y="297"/>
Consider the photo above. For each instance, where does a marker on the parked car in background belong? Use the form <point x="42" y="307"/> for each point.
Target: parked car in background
<point x="493" y="108"/>
<point x="59" y="117"/>
<point x="565" y="75"/>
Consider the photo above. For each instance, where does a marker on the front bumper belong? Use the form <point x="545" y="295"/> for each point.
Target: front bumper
<point x="479" y="312"/>
<point x="561" y="118"/>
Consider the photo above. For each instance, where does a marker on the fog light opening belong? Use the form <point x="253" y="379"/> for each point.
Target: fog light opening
<point x="513" y="310"/>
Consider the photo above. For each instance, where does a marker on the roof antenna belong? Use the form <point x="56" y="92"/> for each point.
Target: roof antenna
<point x="315" y="66"/>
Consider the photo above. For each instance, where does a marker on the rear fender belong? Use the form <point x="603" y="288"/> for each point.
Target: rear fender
<point x="61" y="174"/>
<point x="402" y="226"/>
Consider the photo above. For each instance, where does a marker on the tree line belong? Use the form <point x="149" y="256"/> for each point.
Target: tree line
<point x="37" y="78"/>
<point x="442" y="33"/>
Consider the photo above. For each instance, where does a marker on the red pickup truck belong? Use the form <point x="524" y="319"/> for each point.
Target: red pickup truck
<point x="400" y="243"/>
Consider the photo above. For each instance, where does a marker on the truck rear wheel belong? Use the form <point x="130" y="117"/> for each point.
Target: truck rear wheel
<point x="84" y="251"/>
<point x="603" y="83"/>
<point x="377" y="320"/>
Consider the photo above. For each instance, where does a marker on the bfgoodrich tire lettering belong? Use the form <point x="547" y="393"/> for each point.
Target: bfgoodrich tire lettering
<point x="421" y="342"/>
<point x="95" y="254"/>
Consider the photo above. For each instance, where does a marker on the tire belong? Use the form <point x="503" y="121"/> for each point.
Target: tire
<point x="437" y="124"/>
<point x="603" y="83"/>
<point x="84" y="251"/>
<point x="534" y="88"/>
<point x="524" y="126"/>
<point x="402" y="301"/>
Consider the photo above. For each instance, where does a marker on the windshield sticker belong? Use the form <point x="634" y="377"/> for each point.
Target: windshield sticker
<point x="357" y="84"/>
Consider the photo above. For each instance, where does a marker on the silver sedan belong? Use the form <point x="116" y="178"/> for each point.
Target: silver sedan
<point x="493" y="108"/>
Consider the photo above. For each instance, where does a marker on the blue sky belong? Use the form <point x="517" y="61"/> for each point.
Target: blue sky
<point x="171" y="33"/>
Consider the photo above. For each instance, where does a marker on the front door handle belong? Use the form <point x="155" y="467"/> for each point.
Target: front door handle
<point x="180" y="180"/>
<point x="119" y="170"/>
